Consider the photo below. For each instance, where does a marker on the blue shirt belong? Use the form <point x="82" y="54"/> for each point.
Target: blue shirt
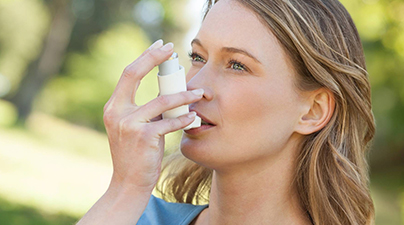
<point x="160" y="212"/>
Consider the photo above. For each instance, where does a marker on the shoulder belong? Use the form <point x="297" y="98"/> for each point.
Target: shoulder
<point x="160" y="212"/>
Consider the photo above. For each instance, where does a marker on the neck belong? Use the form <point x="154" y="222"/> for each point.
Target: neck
<point x="256" y="193"/>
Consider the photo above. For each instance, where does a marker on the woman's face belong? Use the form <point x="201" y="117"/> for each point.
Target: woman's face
<point x="250" y="97"/>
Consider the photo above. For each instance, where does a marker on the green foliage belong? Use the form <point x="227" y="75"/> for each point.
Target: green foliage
<point x="8" y="113"/>
<point x="23" y="24"/>
<point x="81" y="92"/>
<point x="381" y="27"/>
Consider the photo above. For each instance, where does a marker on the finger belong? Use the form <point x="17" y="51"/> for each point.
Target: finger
<point x="157" y="118"/>
<point x="155" y="45"/>
<point x="166" y="126"/>
<point x="166" y="102"/>
<point x="130" y="79"/>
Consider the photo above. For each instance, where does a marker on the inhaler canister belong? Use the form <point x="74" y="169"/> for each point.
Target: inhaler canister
<point x="171" y="79"/>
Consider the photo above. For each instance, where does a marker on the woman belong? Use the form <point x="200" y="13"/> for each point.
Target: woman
<point x="284" y="93"/>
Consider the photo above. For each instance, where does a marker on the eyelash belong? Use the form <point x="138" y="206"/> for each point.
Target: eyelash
<point x="231" y="63"/>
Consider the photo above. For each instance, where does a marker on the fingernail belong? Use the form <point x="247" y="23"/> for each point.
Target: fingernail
<point x="198" y="92"/>
<point x="191" y="115"/>
<point x="156" y="44"/>
<point x="168" y="47"/>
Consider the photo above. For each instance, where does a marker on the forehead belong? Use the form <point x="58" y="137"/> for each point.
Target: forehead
<point x="229" y="23"/>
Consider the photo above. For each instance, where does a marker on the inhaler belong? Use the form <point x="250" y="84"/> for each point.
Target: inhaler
<point x="171" y="79"/>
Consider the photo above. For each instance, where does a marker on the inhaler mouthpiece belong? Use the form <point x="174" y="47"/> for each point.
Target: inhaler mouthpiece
<point x="171" y="78"/>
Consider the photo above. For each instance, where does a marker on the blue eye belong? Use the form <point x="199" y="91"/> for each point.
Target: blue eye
<point x="235" y="65"/>
<point x="232" y="64"/>
<point x="195" y="57"/>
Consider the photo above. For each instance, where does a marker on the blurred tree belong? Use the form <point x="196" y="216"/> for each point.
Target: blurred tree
<point x="74" y="22"/>
<point x="50" y="59"/>
<point x="23" y="26"/>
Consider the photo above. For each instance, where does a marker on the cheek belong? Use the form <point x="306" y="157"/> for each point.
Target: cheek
<point x="264" y="116"/>
<point x="258" y="105"/>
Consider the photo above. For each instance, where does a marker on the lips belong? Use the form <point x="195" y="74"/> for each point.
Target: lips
<point x="206" y="125"/>
<point x="205" y="121"/>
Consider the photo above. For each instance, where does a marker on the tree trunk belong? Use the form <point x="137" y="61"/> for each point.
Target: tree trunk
<point x="49" y="61"/>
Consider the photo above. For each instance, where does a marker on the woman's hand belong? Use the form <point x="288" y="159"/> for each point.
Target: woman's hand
<point x="136" y="138"/>
<point x="136" y="133"/>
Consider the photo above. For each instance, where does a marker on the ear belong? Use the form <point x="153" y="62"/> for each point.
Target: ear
<point x="319" y="110"/>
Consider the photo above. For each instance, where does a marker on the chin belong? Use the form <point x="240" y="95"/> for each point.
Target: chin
<point x="197" y="151"/>
<point x="191" y="148"/>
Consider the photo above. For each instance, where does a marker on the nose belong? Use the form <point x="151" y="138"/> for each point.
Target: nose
<point x="201" y="79"/>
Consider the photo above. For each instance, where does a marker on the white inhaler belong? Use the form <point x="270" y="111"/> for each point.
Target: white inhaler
<point x="171" y="79"/>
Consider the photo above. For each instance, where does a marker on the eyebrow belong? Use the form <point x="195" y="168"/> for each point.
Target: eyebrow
<point x="229" y="50"/>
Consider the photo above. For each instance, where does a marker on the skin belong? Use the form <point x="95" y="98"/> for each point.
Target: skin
<point x="259" y="115"/>
<point x="260" y="119"/>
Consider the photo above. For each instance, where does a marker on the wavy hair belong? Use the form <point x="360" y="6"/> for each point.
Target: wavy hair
<point x="331" y="174"/>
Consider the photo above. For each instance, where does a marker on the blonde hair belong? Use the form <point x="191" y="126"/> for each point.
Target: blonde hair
<point x="331" y="174"/>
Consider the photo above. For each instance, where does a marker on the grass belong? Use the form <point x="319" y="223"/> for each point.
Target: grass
<point x="12" y="213"/>
<point x="53" y="172"/>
